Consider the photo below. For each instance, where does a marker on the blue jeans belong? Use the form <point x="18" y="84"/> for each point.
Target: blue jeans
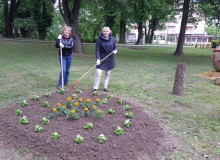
<point x="66" y="60"/>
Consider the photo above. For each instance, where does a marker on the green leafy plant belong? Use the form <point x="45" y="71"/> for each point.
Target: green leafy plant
<point x="110" y="96"/>
<point x="36" y="98"/>
<point x="86" y="111"/>
<point x="99" y="113"/>
<point x="121" y="101"/>
<point x="105" y="101"/>
<point x="127" y="123"/>
<point x="69" y="102"/>
<point x="78" y="91"/>
<point x="24" y="103"/>
<point x="79" y="139"/>
<point x="111" y="111"/>
<point x="74" y="96"/>
<point x="129" y="115"/>
<point x="73" y="115"/>
<point x="54" y="135"/>
<point x="95" y="93"/>
<point x="101" y="138"/>
<point x="18" y="112"/>
<point x="39" y="128"/>
<point x="88" y="125"/>
<point x="61" y="91"/>
<point x="97" y="102"/>
<point x="48" y="95"/>
<point x="23" y="120"/>
<point x="46" y="104"/>
<point x="127" y="107"/>
<point x="45" y="121"/>
<point x="119" y="131"/>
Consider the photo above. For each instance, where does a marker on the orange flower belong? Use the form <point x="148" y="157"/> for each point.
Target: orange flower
<point x="80" y="99"/>
<point x="76" y="104"/>
<point x="68" y="98"/>
<point x="94" y="107"/>
<point x="72" y="110"/>
<point x="88" y="100"/>
<point x="58" y="104"/>
<point x="54" y="110"/>
<point x="97" y="100"/>
<point x="86" y="109"/>
<point x="99" y="111"/>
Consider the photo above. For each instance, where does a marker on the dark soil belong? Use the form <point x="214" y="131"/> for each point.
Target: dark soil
<point x="146" y="139"/>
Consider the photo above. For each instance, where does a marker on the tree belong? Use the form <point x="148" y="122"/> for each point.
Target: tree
<point x="181" y="38"/>
<point x="70" y="13"/>
<point x="10" y="10"/>
<point x="42" y="11"/>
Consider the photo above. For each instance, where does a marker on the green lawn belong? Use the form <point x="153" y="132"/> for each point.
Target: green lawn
<point x="145" y="77"/>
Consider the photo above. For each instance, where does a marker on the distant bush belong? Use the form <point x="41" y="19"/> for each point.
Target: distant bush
<point x="214" y="43"/>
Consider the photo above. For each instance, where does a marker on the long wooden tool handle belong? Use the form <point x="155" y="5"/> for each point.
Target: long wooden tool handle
<point x="93" y="67"/>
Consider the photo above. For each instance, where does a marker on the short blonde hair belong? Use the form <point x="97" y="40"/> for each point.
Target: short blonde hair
<point x="106" y="28"/>
<point x="64" y="28"/>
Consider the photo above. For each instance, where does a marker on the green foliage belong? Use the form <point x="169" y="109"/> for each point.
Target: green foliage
<point x="18" y="112"/>
<point x="79" y="139"/>
<point x="101" y="138"/>
<point x="214" y="43"/>
<point x="119" y="131"/>
<point x="23" y="120"/>
<point x="54" y="135"/>
<point x="39" y="128"/>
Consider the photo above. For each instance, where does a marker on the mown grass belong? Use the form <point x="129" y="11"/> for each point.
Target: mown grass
<point x="143" y="76"/>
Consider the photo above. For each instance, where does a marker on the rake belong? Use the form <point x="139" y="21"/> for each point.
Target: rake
<point x="76" y="82"/>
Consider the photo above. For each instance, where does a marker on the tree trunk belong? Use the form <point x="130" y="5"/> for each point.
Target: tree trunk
<point x="110" y="20"/>
<point x="71" y="19"/>
<point x="180" y="78"/>
<point x="122" y="31"/>
<point x="140" y="33"/>
<point x="9" y="16"/>
<point x="153" y="28"/>
<point x="179" y="48"/>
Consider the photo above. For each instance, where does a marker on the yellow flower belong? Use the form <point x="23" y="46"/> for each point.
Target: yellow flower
<point x="72" y="110"/>
<point x="58" y="104"/>
<point x="80" y="99"/>
<point x="99" y="111"/>
<point x="88" y="100"/>
<point x="64" y="106"/>
<point x="54" y="110"/>
<point x="68" y="98"/>
<point x="76" y="104"/>
<point x="86" y="109"/>
<point x="94" y="107"/>
<point x="97" y="100"/>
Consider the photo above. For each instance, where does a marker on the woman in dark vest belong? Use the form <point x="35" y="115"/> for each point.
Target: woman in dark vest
<point x="105" y="45"/>
<point x="66" y="42"/>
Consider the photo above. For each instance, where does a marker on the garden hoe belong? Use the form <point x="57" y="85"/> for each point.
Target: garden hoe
<point x="76" y="82"/>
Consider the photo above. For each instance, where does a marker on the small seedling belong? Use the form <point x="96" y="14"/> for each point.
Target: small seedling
<point x="23" y="120"/>
<point x="54" y="135"/>
<point x="101" y="138"/>
<point x="127" y="123"/>
<point x="39" y="128"/>
<point x="24" y="103"/>
<point x="18" y="112"/>
<point x="119" y="131"/>
<point x="88" y="125"/>
<point x="79" y="139"/>
<point x="129" y="115"/>
<point x="111" y="111"/>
